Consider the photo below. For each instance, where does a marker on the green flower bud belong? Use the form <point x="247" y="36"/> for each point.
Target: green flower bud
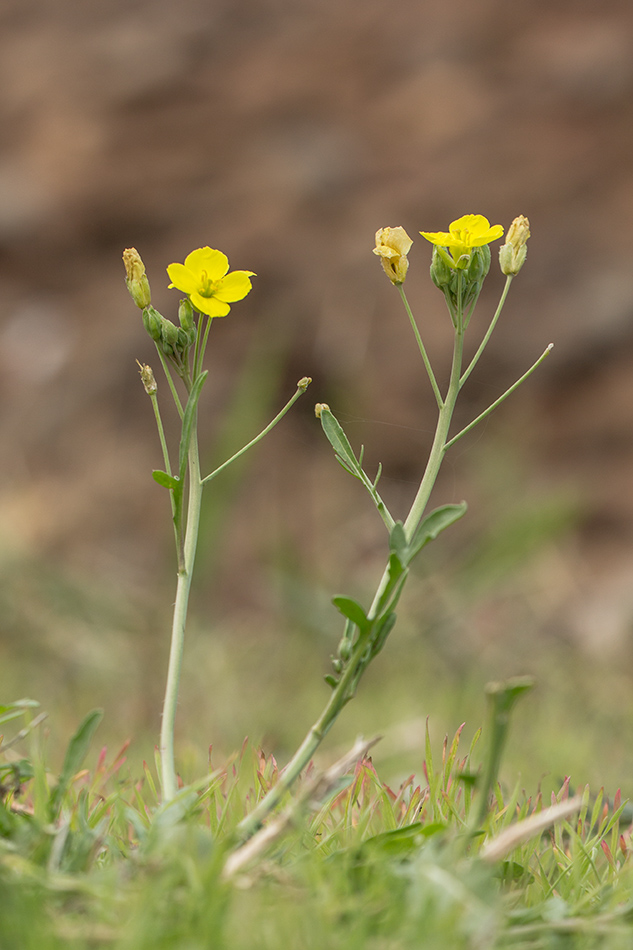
<point x="183" y="339"/>
<point x="441" y="271"/>
<point x="153" y="323"/>
<point x="185" y="314"/>
<point x="479" y="265"/>
<point x="136" y="279"/>
<point x="169" y="334"/>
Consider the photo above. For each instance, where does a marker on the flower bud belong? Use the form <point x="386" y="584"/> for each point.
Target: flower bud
<point x="135" y="278"/>
<point x="392" y="247"/>
<point x="153" y="323"/>
<point x="169" y="334"/>
<point x="441" y="271"/>
<point x="185" y="314"/>
<point x="512" y="254"/>
<point x="475" y="273"/>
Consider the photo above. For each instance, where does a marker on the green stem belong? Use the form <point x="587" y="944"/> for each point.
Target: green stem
<point x="170" y="381"/>
<point x="438" y="449"/>
<point x="168" y="770"/>
<point x="498" y="401"/>
<point x="302" y="385"/>
<point x="163" y="445"/>
<point x="340" y="694"/>
<point x="427" y="363"/>
<point x="493" y="323"/>
<point x="308" y="747"/>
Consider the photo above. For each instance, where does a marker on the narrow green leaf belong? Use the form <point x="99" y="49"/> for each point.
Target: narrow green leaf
<point x="339" y="441"/>
<point x="75" y="754"/>
<point x="434" y="524"/>
<point x="167" y="481"/>
<point x="353" y="611"/>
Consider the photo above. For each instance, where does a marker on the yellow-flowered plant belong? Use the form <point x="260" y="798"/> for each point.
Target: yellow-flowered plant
<point x="206" y="280"/>
<point x="460" y="263"/>
<point x="460" y="276"/>
<point x="211" y="289"/>
<point x="464" y="234"/>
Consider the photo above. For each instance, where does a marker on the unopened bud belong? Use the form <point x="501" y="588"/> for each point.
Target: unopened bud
<point x="153" y="323"/>
<point x="147" y="378"/>
<point x="318" y="409"/>
<point x="135" y="278"/>
<point x="441" y="271"/>
<point x="303" y="383"/>
<point x="512" y="254"/>
<point x="185" y="314"/>
<point x="392" y="247"/>
<point x="169" y="333"/>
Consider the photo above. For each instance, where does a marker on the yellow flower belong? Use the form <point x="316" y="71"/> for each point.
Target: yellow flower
<point x="392" y="247"/>
<point x="205" y="279"/>
<point x="467" y="232"/>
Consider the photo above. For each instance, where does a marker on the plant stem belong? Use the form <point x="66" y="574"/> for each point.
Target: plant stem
<point x="306" y="750"/>
<point x="497" y="402"/>
<point x="421" y="347"/>
<point x="438" y="449"/>
<point x="168" y="770"/>
<point x="493" y="323"/>
<point x="302" y="385"/>
<point x="340" y="694"/>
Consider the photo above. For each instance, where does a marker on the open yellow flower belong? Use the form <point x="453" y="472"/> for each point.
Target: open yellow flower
<point x="205" y="279"/>
<point x="467" y="232"/>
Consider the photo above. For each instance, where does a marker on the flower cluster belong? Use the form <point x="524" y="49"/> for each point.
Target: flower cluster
<point x="463" y="248"/>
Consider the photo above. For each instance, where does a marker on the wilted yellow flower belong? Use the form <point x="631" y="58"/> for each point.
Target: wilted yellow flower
<point x="392" y="247"/>
<point x="467" y="232"/>
<point x="205" y="279"/>
<point x="135" y="279"/>
<point x="512" y="254"/>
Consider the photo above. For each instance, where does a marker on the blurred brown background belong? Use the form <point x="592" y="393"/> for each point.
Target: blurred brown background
<point x="286" y="133"/>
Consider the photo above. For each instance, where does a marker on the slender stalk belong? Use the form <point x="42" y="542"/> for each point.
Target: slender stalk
<point x="308" y="747"/>
<point x="438" y="449"/>
<point x="498" y="401"/>
<point x="163" y="445"/>
<point x="421" y="347"/>
<point x="168" y="770"/>
<point x="172" y="386"/>
<point x="493" y="323"/>
<point x="302" y="385"/>
<point x="340" y="694"/>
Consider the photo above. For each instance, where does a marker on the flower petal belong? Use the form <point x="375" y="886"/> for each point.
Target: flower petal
<point x="443" y="238"/>
<point x="182" y="278"/>
<point x="215" y="263"/>
<point x="234" y="286"/>
<point x="209" y="305"/>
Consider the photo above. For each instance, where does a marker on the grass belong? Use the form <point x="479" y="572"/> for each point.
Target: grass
<point x="90" y="858"/>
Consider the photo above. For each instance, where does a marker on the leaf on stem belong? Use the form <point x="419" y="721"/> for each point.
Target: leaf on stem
<point x="353" y="611"/>
<point x="340" y="443"/>
<point x="434" y="524"/>
<point x="167" y="481"/>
